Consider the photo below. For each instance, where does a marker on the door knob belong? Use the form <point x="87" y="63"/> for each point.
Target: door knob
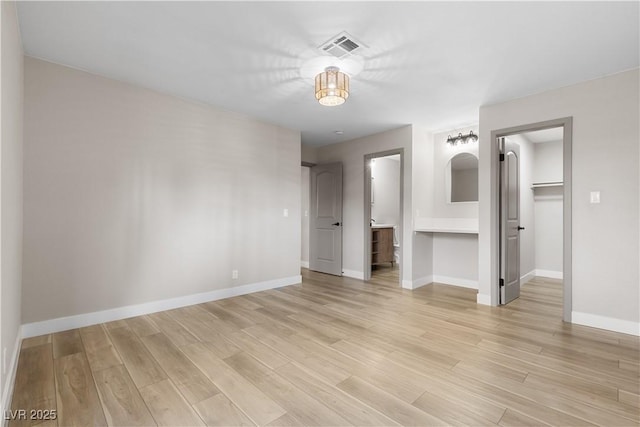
<point x="520" y="228"/>
<point x="336" y="223"/>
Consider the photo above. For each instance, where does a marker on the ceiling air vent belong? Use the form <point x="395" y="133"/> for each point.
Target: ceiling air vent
<point x="342" y="45"/>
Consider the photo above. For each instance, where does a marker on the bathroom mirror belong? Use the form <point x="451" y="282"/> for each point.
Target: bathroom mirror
<point x="462" y="178"/>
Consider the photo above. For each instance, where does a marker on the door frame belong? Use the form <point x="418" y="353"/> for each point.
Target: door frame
<point x="567" y="140"/>
<point x="367" y="209"/>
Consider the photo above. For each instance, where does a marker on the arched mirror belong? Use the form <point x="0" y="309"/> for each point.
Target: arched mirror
<point x="462" y="178"/>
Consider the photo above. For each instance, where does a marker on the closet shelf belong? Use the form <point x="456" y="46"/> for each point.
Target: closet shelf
<point x="547" y="184"/>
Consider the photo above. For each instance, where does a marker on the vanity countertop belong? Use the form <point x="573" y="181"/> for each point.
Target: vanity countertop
<point x="446" y="225"/>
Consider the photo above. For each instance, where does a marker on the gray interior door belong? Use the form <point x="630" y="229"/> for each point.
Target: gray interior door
<point x="509" y="221"/>
<point x="325" y="222"/>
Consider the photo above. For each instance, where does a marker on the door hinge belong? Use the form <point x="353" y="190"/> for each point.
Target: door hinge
<point x="501" y="157"/>
<point x="502" y="283"/>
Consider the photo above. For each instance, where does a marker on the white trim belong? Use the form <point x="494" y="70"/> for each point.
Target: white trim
<point x="465" y="283"/>
<point x="65" y="323"/>
<point x="608" y="323"/>
<point x="530" y="275"/>
<point x="483" y="299"/>
<point x="549" y="274"/>
<point x="7" y="390"/>
<point x="304" y="264"/>
<point x="417" y="283"/>
<point x="353" y="274"/>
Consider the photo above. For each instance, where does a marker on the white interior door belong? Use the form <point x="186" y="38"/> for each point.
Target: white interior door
<point x="325" y="222"/>
<point x="509" y="221"/>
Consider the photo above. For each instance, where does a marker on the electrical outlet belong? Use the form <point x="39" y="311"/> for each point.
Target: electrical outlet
<point x="234" y="274"/>
<point x="285" y="213"/>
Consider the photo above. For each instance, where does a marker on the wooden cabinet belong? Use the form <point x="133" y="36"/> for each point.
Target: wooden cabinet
<point x="381" y="245"/>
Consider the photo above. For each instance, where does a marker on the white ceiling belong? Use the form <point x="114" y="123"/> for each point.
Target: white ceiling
<point x="432" y="63"/>
<point x="546" y="135"/>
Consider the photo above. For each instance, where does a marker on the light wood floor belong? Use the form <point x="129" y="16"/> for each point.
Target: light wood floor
<point x="386" y="273"/>
<point x="336" y="351"/>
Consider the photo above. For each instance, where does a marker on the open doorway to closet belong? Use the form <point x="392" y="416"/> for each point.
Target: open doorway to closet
<point x="383" y="215"/>
<point x="535" y="215"/>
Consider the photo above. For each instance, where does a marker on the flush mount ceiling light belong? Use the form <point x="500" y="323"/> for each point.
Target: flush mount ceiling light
<point x="332" y="87"/>
<point x="462" y="139"/>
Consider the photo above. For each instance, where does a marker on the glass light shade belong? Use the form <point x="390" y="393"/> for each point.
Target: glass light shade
<point x="332" y="87"/>
<point x="462" y="139"/>
<point x="472" y="137"/>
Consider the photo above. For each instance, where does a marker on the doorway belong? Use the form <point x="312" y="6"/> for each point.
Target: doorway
<point x="383" y="210"/>
<point x="534" y="193"/>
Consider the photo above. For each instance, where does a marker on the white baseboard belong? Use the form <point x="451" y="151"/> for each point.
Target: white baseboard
<point x="353" y="274"/>
<point x="483" y="299"/>
<point x="608" y="323"/>
<point x="465" y="283"/>
<point x="549" y="274"/>
<point x="7" y="389"/>
<point x="417" y="283"/>
<point x="304" y="264"/>
<point x="65" y="323"/>
<point x="530" y="275"/>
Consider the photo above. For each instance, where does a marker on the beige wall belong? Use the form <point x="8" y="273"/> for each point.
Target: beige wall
<point x="527" y="209"/>
<point x="11" y="188"/>
<point x="547" y="167"/>
<point x="351" y="154"/>
<point x="309" y="154"/>
<point x="132" y="196"/>
<point x="605" y="111"/>
<point x="422" y="203"/>
<point x="455" y="259"/>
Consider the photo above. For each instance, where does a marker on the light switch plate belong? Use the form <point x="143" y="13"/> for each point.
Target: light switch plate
<point x="595" y="197"/>
<point x="285" y="213"/>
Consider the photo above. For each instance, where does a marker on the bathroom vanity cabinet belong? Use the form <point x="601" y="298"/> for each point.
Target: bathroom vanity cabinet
<point x="381" y="245"/>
